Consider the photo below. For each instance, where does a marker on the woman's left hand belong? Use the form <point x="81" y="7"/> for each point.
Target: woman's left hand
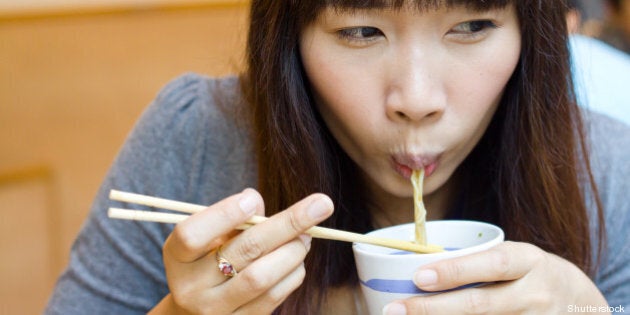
<point x="524" y="280"/>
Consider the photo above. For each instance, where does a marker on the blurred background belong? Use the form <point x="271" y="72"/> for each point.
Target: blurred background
<point x="74" y="77"/>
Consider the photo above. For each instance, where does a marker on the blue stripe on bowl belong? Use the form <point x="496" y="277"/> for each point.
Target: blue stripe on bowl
<point x="404" y="286"/>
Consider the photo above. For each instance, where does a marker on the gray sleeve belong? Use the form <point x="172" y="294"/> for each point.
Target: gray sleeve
<point x="610" y="153"/>
<point x="116" y="266"/>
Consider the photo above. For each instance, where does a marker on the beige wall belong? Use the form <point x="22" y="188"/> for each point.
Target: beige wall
<point x="71" y="86"/>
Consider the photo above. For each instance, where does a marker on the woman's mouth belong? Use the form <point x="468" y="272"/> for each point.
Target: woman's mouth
<point x="405" y="164"/>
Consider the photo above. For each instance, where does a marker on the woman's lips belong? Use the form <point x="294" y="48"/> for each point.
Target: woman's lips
<point x="404" y="164"/>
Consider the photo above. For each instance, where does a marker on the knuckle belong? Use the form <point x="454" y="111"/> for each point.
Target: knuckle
<point x="418" y="306"/>
<point x="279" y="292"/>
<point x="298" y="248"/>
<point x="540" y="299"/>
<point x="294" y="222"/>
<point x="299" y="276"/>
<point x="453" y="271"/>
<point x="477" y="302"/>
<point x="251" y="248"/>
<point x="501" y="263"/>
<point x="184" y="300"/>
<point x="187" y="238"/>
<point x="537" y="254"/>
<point x="533" y="253"/>
<point x="255" y="282"/>
<point x="301" y="273"/>
<point x="276" y="297"/>
<point x="231" y="215"/>
<point x="179" y="291"/>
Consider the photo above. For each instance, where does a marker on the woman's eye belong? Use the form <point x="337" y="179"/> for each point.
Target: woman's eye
<point x="362" y="34"/>
<point x="472" y="28"/>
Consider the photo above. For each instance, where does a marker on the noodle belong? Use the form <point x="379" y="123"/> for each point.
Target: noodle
<point x="420" y="213"/>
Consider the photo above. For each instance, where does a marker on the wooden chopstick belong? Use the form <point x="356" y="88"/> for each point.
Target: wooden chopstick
<point x="151" y="216"/>
<point x="316" y="231"/>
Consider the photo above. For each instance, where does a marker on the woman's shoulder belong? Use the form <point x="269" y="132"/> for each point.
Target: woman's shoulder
<point x="195" y="94"/>
<point x="193" y="84"/>
<point x="192" y="132"/>
<point x="194" y="105"/>
<point x="608" y="139"/>
<point x="608" y="144"/>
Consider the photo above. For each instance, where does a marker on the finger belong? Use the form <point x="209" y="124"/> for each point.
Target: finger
<point x="196" y="236"/>
<point x="189" y="282"/>
<point x="506" y="261"/>
<point x="262" y="275"/>
<point x="490" y="299"/>
<point x="270" y="300"/>
<point x="264" y="237"/>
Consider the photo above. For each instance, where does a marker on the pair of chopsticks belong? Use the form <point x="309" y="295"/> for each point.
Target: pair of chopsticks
<point x="316" y="231"/>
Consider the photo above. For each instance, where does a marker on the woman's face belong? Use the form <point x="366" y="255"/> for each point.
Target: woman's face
<point x="403" y="89"/>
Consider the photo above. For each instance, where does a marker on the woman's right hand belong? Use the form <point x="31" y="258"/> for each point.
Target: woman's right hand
<point x="269" y="256"/>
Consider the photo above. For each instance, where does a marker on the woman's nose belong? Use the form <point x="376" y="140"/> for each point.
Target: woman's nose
<point x="416" y="90"/>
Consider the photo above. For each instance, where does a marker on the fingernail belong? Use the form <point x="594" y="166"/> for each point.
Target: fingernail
<point x="394" y="309"/>
<point x="426" y="277"/>
<point x="319" y="208"/>
<point x="247" y="203"/>
<point x="306" y="239"/>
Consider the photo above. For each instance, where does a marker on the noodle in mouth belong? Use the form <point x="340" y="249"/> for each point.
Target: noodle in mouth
<point x="420" y="212"/>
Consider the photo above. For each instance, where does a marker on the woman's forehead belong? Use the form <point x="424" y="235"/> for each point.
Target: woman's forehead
<point x="421" y="5"/>
<point x="308" y="11"/>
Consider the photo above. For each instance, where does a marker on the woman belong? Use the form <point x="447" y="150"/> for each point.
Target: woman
<point x="340" y="102"/>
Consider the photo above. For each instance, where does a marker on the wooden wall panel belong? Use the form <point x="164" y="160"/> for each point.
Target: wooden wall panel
<point x="28" y="240"/>
<point x="71" y="87"/>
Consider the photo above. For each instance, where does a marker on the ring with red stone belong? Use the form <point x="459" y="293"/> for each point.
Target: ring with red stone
<point x="225" y="266"/>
